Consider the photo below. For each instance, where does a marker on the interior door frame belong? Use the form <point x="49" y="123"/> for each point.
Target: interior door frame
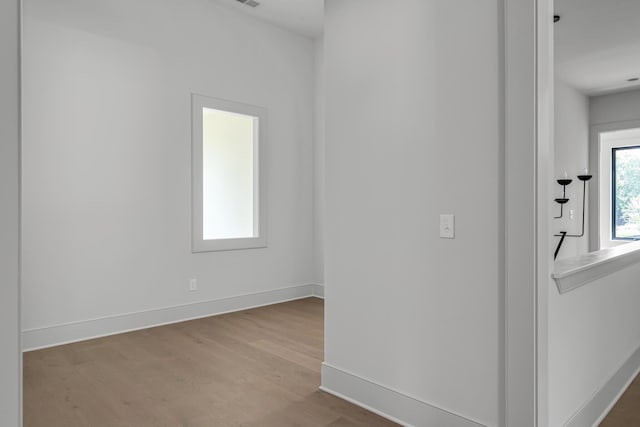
<point x="527" y="160"/>
<point x="528" y="133"/>
<point x="10" y="350"/>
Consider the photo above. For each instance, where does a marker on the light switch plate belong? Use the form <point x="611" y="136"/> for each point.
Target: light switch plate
<point x="447" y="226"/>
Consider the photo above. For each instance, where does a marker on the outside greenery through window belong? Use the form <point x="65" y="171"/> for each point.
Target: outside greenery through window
<point x="625" y="174"/>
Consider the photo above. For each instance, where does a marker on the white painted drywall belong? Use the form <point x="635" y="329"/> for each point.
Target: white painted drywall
<point x="572" y="157"/>
<point x="413" y="131"/>
<point x="319" y="163"/>
<point x="616" y="107"/>
<point x="107" y="88"/>
<point x="593" y="330"/>
<point x="10" y="355"/>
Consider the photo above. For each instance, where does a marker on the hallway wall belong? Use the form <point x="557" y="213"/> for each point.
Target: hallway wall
<point x="413" y="131"/>
<point x="571" y="156"/>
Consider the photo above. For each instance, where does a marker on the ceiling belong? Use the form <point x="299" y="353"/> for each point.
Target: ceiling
<point x="597" y="44"/>
<point x="304" y="17"/>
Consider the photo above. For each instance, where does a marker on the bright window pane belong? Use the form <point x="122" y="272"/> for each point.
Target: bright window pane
<point x="228" y="175"/>
<point x="626" y="192"/>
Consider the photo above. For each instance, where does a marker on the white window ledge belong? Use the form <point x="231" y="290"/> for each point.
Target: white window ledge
<point x="574" y="272"/>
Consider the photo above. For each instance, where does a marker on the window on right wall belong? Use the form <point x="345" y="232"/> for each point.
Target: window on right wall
<point x="619" y="195"/>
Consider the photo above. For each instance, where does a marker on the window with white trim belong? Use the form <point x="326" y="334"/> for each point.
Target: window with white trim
<point x="227" y="175"/>
<point x="619" y="186"/>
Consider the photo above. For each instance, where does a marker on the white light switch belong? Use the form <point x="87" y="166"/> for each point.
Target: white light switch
<point x="447" y="226"/>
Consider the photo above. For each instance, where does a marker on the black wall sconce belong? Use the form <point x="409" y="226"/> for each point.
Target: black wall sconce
<point x="563" y="200"/>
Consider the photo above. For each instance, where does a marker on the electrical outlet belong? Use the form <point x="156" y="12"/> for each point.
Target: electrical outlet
<point x="193" y="285"/>
<point x="447" y="226"/>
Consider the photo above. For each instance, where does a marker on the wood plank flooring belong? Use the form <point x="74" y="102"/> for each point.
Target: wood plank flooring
<point x="626" y="412"/>
<point x="257" y="367"/>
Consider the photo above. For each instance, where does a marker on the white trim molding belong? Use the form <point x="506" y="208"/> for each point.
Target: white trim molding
<point x="572" y="273"/>
<point x="528" y="112"/>
<point x="387" y="402"/>
<point x="599" y="214"/>
<point x="597" y="408"/>
<point x="50" y="336"/>
<point x="10" y="135"/>
<point x="619" y="134"/>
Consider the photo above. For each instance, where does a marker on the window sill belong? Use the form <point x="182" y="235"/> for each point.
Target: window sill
<point x="229" y="244"/>
<point x="575" y="272"/>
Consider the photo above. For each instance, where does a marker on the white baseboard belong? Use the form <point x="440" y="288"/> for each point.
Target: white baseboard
<point x="391" y="404"/>
<point x="33" y="339"/>
<point x="597" y="408"/>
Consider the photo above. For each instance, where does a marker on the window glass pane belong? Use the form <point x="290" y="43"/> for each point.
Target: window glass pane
<point x="228" y="174"/>
<point x="626" y="192"/>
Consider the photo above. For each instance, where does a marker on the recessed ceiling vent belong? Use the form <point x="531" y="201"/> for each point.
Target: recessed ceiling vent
<point x="252" y="3"/>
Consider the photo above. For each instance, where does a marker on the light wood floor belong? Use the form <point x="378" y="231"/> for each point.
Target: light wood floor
<point x="257" y="367"/>
<point x="626" y="412"/>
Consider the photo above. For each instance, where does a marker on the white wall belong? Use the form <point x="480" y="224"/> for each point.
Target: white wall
<point x="616" y="107"/>
<point x="107" y="154"/>
<point x="413" y="131"/>
<point x="10" y="356"/>
<point x="593" y="331"/>
<point x="319" y="163"/>
<point x="571" y="156"/>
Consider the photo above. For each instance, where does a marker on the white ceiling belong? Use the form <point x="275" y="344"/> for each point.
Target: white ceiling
<point x="597" y="44"/>
<point x="304" y="17"/>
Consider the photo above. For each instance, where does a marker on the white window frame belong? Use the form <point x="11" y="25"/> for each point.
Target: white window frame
<point x="604" y="179"/>
<point x="198" y="102"/>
